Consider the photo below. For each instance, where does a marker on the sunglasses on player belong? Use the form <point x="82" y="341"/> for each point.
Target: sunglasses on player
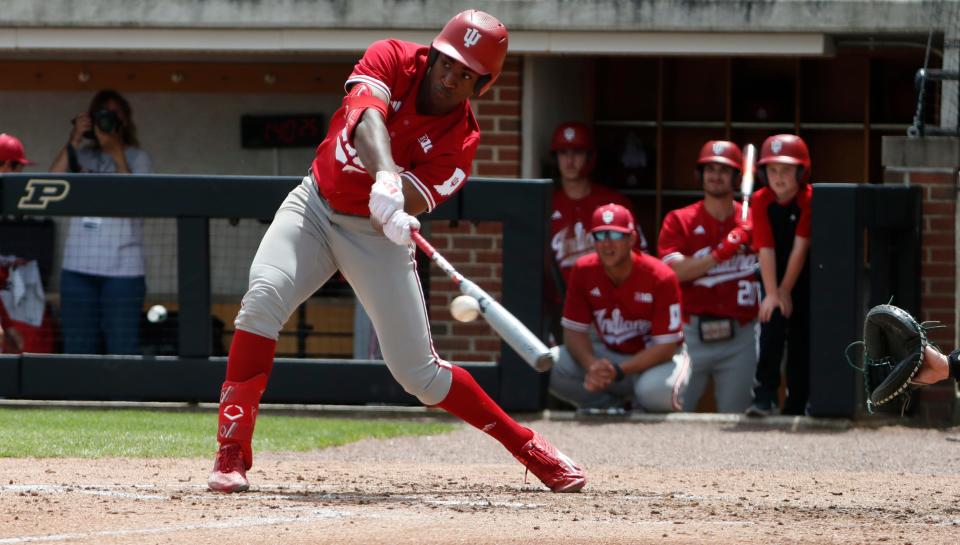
<point x="612" y="235"/>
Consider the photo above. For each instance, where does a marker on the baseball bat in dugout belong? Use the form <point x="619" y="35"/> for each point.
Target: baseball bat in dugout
<point x="746" y="181"/>
<point x="507" y="326"/>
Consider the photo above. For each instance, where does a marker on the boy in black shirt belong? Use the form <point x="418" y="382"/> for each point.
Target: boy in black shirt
<point x="781" y="237"/>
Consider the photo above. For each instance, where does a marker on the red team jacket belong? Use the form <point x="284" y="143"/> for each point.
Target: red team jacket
<point x="729" y="289"/>
<point x="435" y="152"/>
<point x="642" y="311"/>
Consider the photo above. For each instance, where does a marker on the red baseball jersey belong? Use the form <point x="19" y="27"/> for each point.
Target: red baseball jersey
<point x="435" y="152"/>
<point x="570" y="224"/>
<point x="642" y="311"/>
<point x="760" y="203"/>
<point x="728" y="289"/>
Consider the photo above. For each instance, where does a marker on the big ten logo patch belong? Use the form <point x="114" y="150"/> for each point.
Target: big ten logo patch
<point x="40" y="193"/>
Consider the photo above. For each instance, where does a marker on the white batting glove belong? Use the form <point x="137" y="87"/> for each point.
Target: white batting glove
<point x="398" y="227"/>
<point x="386" y="196"/>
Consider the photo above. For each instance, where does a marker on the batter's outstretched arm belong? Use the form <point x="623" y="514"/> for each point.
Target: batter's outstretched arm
<point x="373" y="143"/>
<point x="373" y="147"/>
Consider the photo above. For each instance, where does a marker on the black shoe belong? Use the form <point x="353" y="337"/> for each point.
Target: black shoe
<point x="762" y="408"/>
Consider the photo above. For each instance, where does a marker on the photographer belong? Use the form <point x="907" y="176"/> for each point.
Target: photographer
<point x="102" y="284"/>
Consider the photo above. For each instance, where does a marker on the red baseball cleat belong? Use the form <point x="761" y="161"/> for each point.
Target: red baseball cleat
<point x="551" y="466"/>
<point x="229" y="472"/>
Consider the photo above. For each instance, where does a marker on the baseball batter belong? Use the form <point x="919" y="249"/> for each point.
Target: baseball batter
<point x="401" y="143"/>
<point x="704" y="243"/>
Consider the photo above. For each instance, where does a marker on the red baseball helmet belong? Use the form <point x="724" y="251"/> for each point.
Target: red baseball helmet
<point x="477" y="40"/>
<point x="789" y="149"/>
<point x="572" y="135"/>
<point x="11" y="149"/>
<point x="723" y="152"/>
<point x="612" y="217"/>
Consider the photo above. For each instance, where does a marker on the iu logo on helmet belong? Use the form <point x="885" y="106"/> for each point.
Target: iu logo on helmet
<point x="607" y="216"/>
<point x="40" y="193"/>
<point x="471" y="37"/>
<point x="717" y="148"/>
<point x="776" y="146"/>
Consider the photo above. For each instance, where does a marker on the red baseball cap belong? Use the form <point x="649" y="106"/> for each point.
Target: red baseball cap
<point x="11" y="149"/>
<point x="571" y="135"/>
<point x="612" y="217"/>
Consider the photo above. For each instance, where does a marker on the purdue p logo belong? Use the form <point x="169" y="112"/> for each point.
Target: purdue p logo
<point x="40" y="193"/>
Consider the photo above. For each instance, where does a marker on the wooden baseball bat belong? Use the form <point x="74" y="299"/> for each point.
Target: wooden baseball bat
<point x="746" y="181"/>
<point x="507" y="326"/>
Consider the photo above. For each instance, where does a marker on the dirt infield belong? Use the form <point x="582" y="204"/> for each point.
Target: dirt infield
<point x="663" y="483"/>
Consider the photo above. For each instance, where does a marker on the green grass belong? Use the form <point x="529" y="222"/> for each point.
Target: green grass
<point x="85" y="433"/>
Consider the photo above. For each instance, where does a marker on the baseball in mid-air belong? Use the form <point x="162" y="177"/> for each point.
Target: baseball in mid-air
<point x="464" y="308"/>
<point x="157" y="313"/>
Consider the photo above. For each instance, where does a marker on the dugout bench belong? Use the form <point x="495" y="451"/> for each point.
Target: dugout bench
<point x="194" y="374"/>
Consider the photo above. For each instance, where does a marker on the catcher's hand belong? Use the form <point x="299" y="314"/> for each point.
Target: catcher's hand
<point x="893" y="351"/>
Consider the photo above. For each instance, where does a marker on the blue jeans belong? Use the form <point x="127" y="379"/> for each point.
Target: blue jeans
<point x="92" y="306"/>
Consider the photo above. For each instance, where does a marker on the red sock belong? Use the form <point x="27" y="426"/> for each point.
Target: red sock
<point x="468" y="401"/>
<point x="239" y="405"/>
<point x="250" y="355"/>
<point x="248" y="369"/>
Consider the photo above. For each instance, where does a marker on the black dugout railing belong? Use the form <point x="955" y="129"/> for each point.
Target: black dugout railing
<point x="522" y="206"/>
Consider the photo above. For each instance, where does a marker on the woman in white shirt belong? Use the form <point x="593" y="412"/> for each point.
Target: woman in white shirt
<point x="102" y="283"/>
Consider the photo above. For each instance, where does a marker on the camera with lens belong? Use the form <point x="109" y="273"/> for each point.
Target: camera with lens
<point x="106" y="120"/>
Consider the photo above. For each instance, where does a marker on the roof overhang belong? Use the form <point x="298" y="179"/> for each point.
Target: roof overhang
<point x="294" y="42"/>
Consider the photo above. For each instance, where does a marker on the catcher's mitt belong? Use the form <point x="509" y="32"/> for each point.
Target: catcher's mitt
<point x="893" y="346"/>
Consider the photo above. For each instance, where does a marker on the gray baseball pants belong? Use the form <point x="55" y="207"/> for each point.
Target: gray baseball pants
<point x="732" y="364"/>
<point x="658" y="389"/>
<point x="306" y="243"/>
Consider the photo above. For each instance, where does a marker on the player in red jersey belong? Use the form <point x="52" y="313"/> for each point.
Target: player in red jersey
<point x="577" y="196"/>
<point x="12" y="159"/>
<point x="633" y="302"/>
<point x="705" y="244"/>
<point x="401" y="143"/>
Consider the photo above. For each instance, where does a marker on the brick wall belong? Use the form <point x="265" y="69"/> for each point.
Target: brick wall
<point x="475" y="249"/>
<point x="937" y="405"/>
<point x="939" y="265"/>
<point x="932" y="163"/>
<point x="498" y="112"/>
